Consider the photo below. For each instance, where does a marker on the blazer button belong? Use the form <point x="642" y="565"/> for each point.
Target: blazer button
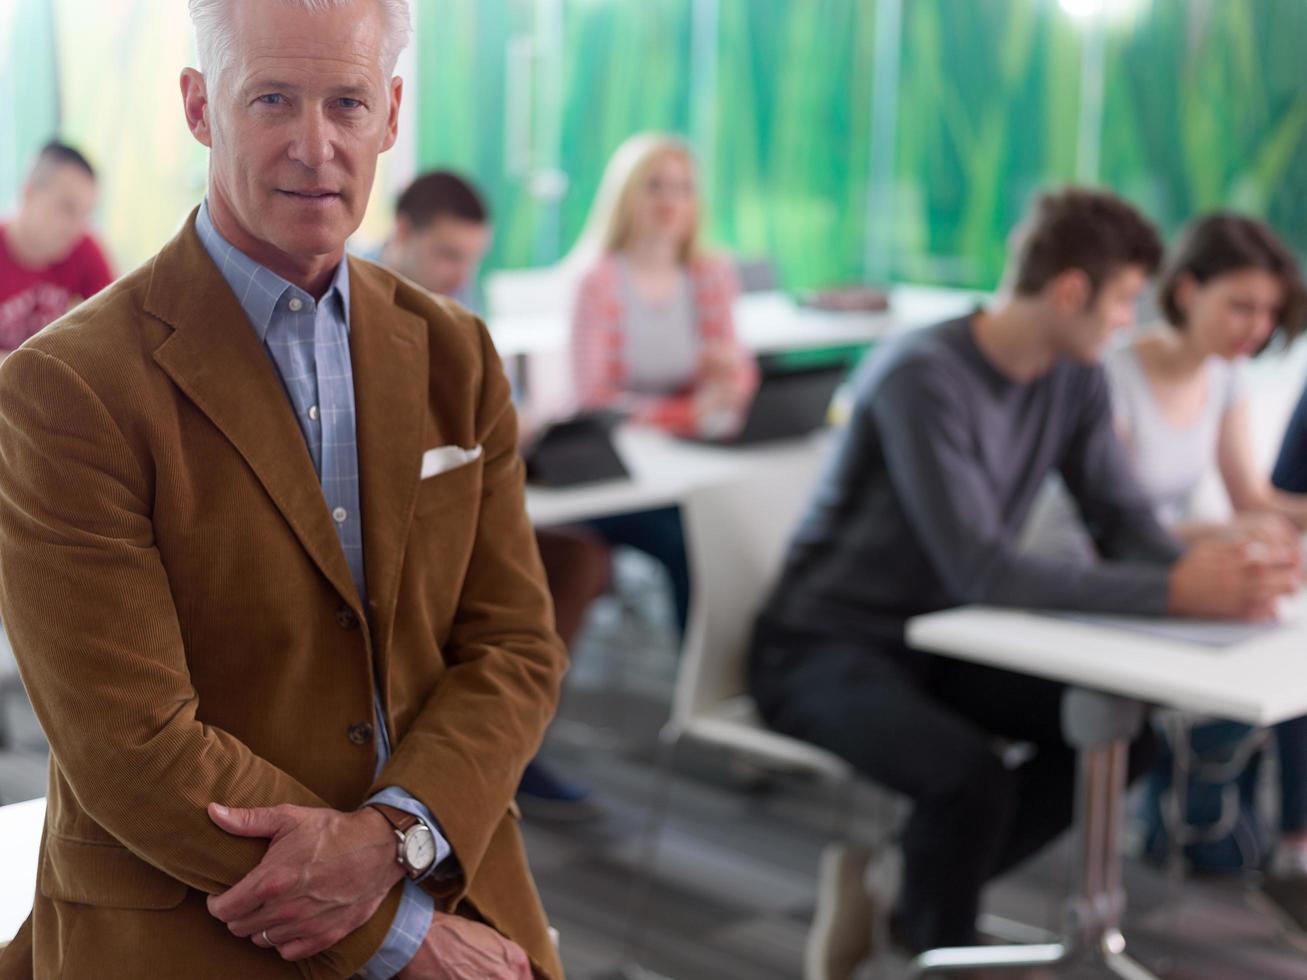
<point x="360" y="734"/>
<point x="346" y="619"/>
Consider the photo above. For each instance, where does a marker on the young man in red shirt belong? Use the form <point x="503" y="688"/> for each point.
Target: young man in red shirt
<point x="48" y="261"/>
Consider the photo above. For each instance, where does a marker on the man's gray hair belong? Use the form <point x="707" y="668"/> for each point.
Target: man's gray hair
<point x="214" y="36"/>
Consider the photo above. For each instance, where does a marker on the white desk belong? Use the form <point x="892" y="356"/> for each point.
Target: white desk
<point x="767" y="322"/>
<point x="664" y="470"/>
<point x="1261" y="680"/>
<point x="20" y="840"/>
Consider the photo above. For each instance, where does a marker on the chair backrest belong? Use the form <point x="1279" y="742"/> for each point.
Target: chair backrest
<point x="756" y="275"/>
<point x="736" y="536"/>
<point x="544" y="291"/>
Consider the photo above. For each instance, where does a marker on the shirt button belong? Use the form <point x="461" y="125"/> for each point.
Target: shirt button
<point x="360" y="734"/>
<point x="313" y="412"/>
<point x="296" y="304"/>
<point x="340" y="515"/>
<point x="346" y="619"/>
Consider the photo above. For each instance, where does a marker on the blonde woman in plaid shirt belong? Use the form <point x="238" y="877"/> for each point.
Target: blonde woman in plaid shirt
<point x="653" y="333"/>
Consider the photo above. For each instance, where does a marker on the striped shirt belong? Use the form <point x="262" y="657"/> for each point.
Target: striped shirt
<point x="602" y="350"/>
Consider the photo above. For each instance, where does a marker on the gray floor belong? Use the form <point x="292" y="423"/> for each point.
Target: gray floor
<point x="735" y="885"/>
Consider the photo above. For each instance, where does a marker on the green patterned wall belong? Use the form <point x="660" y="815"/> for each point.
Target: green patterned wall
<point x="29" y="92"/>
<point x="1205" y="104"/>
<point x="792" y="163"/>
<point x="1207" y="107"/>
<point x="988" y="112"/>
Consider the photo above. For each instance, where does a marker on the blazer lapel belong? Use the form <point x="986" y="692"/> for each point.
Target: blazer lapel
<point x="389" y="352"/>
<point x="216" y="359"/>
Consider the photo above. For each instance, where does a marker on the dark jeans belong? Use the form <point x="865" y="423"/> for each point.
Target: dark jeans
<point x="926" y="727"/>
<point x="1291" y="736"/>
<point x="1291" y="740"/>
<point x="660" y="535"/>
<point x="1291" y="745"/>
<point x="1291" y="467"/>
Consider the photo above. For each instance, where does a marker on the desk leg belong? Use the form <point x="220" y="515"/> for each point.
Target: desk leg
<point x="1093" y="929"/>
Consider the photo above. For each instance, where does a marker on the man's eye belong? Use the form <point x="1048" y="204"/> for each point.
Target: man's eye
<point x="273" y="99"/>
<point x="351" y="104"/>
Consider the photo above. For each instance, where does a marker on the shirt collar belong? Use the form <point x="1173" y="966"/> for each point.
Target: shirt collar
<point x="260" y="291"/>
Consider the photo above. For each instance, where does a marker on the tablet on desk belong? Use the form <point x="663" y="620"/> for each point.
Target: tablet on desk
<point x="575" y="451"/>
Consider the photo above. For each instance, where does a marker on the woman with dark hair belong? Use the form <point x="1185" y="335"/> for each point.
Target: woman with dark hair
<point x="1229" y="290"/>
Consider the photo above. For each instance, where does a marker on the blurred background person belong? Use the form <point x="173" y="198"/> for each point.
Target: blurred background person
<point x="442" y="231"/>
<point x="653" y="331"/>
<point x="1230" y="290"/>
<point x="49" y="262"/>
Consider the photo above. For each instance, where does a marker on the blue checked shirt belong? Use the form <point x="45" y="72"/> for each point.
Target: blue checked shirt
<point x="308" y="341"/>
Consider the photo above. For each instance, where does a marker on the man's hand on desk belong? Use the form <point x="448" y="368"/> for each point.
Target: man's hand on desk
<point x="1234" y="579"/>
<point x="459" y="949"/>
<point x="324" y="875"/>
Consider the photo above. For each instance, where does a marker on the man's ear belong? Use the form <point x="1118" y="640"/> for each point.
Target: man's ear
<point x="396" y="93"/>
<point x="1070" y="291"/>
<point x="195" y="103"/>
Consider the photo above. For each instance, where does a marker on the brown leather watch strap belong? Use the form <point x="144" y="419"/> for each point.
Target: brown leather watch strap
<point x="401" y="820"/>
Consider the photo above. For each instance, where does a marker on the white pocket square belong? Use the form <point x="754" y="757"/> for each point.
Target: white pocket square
<point x="446" y="458"/>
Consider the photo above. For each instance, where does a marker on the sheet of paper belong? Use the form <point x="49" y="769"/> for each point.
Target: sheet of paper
<point x="1217" y="634"/>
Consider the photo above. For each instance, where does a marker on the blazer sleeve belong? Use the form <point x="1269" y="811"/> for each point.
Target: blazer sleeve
<point x="89" y="610"/>
<point x="464" y="754"/>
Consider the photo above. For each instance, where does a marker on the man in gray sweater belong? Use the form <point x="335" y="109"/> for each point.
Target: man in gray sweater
<point x="953" y="432"/>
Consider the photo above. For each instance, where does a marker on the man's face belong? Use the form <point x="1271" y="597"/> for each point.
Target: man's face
<point x="296" y="123"/>
<point x="57" y="206"/>
<point x="444" y="256"/>
<point x="1085" y="323"/>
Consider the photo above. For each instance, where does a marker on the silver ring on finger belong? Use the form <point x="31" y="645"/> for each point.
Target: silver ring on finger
<point x="271" y="944"/>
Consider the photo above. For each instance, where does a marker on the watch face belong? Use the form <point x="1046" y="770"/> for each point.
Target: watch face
<point x="419" y="848"/>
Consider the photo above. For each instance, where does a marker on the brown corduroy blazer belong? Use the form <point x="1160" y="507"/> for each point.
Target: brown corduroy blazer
<point x="184" y="618"/>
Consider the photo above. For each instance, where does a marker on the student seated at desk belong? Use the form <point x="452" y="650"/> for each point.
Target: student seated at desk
<point x="953" y="431"/>
<point x="653" y="332"/>
<point x="1230" y="287"/>
<point x="442" y="231"/>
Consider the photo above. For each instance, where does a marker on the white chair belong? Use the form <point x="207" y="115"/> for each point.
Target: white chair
<point x="736" y="536"/>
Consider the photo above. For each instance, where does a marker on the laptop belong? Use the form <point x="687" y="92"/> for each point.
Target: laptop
<point x="789" y="403"/>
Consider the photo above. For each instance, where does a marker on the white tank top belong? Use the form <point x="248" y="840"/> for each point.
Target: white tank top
<point x="1169" y="459"/>
<point x="662" y="339"/>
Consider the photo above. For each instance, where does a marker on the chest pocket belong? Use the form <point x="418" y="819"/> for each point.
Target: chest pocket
<point x="450" y="492"/>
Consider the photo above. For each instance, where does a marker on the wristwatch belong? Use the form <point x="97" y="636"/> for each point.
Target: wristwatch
<point x="416" y="850"/>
